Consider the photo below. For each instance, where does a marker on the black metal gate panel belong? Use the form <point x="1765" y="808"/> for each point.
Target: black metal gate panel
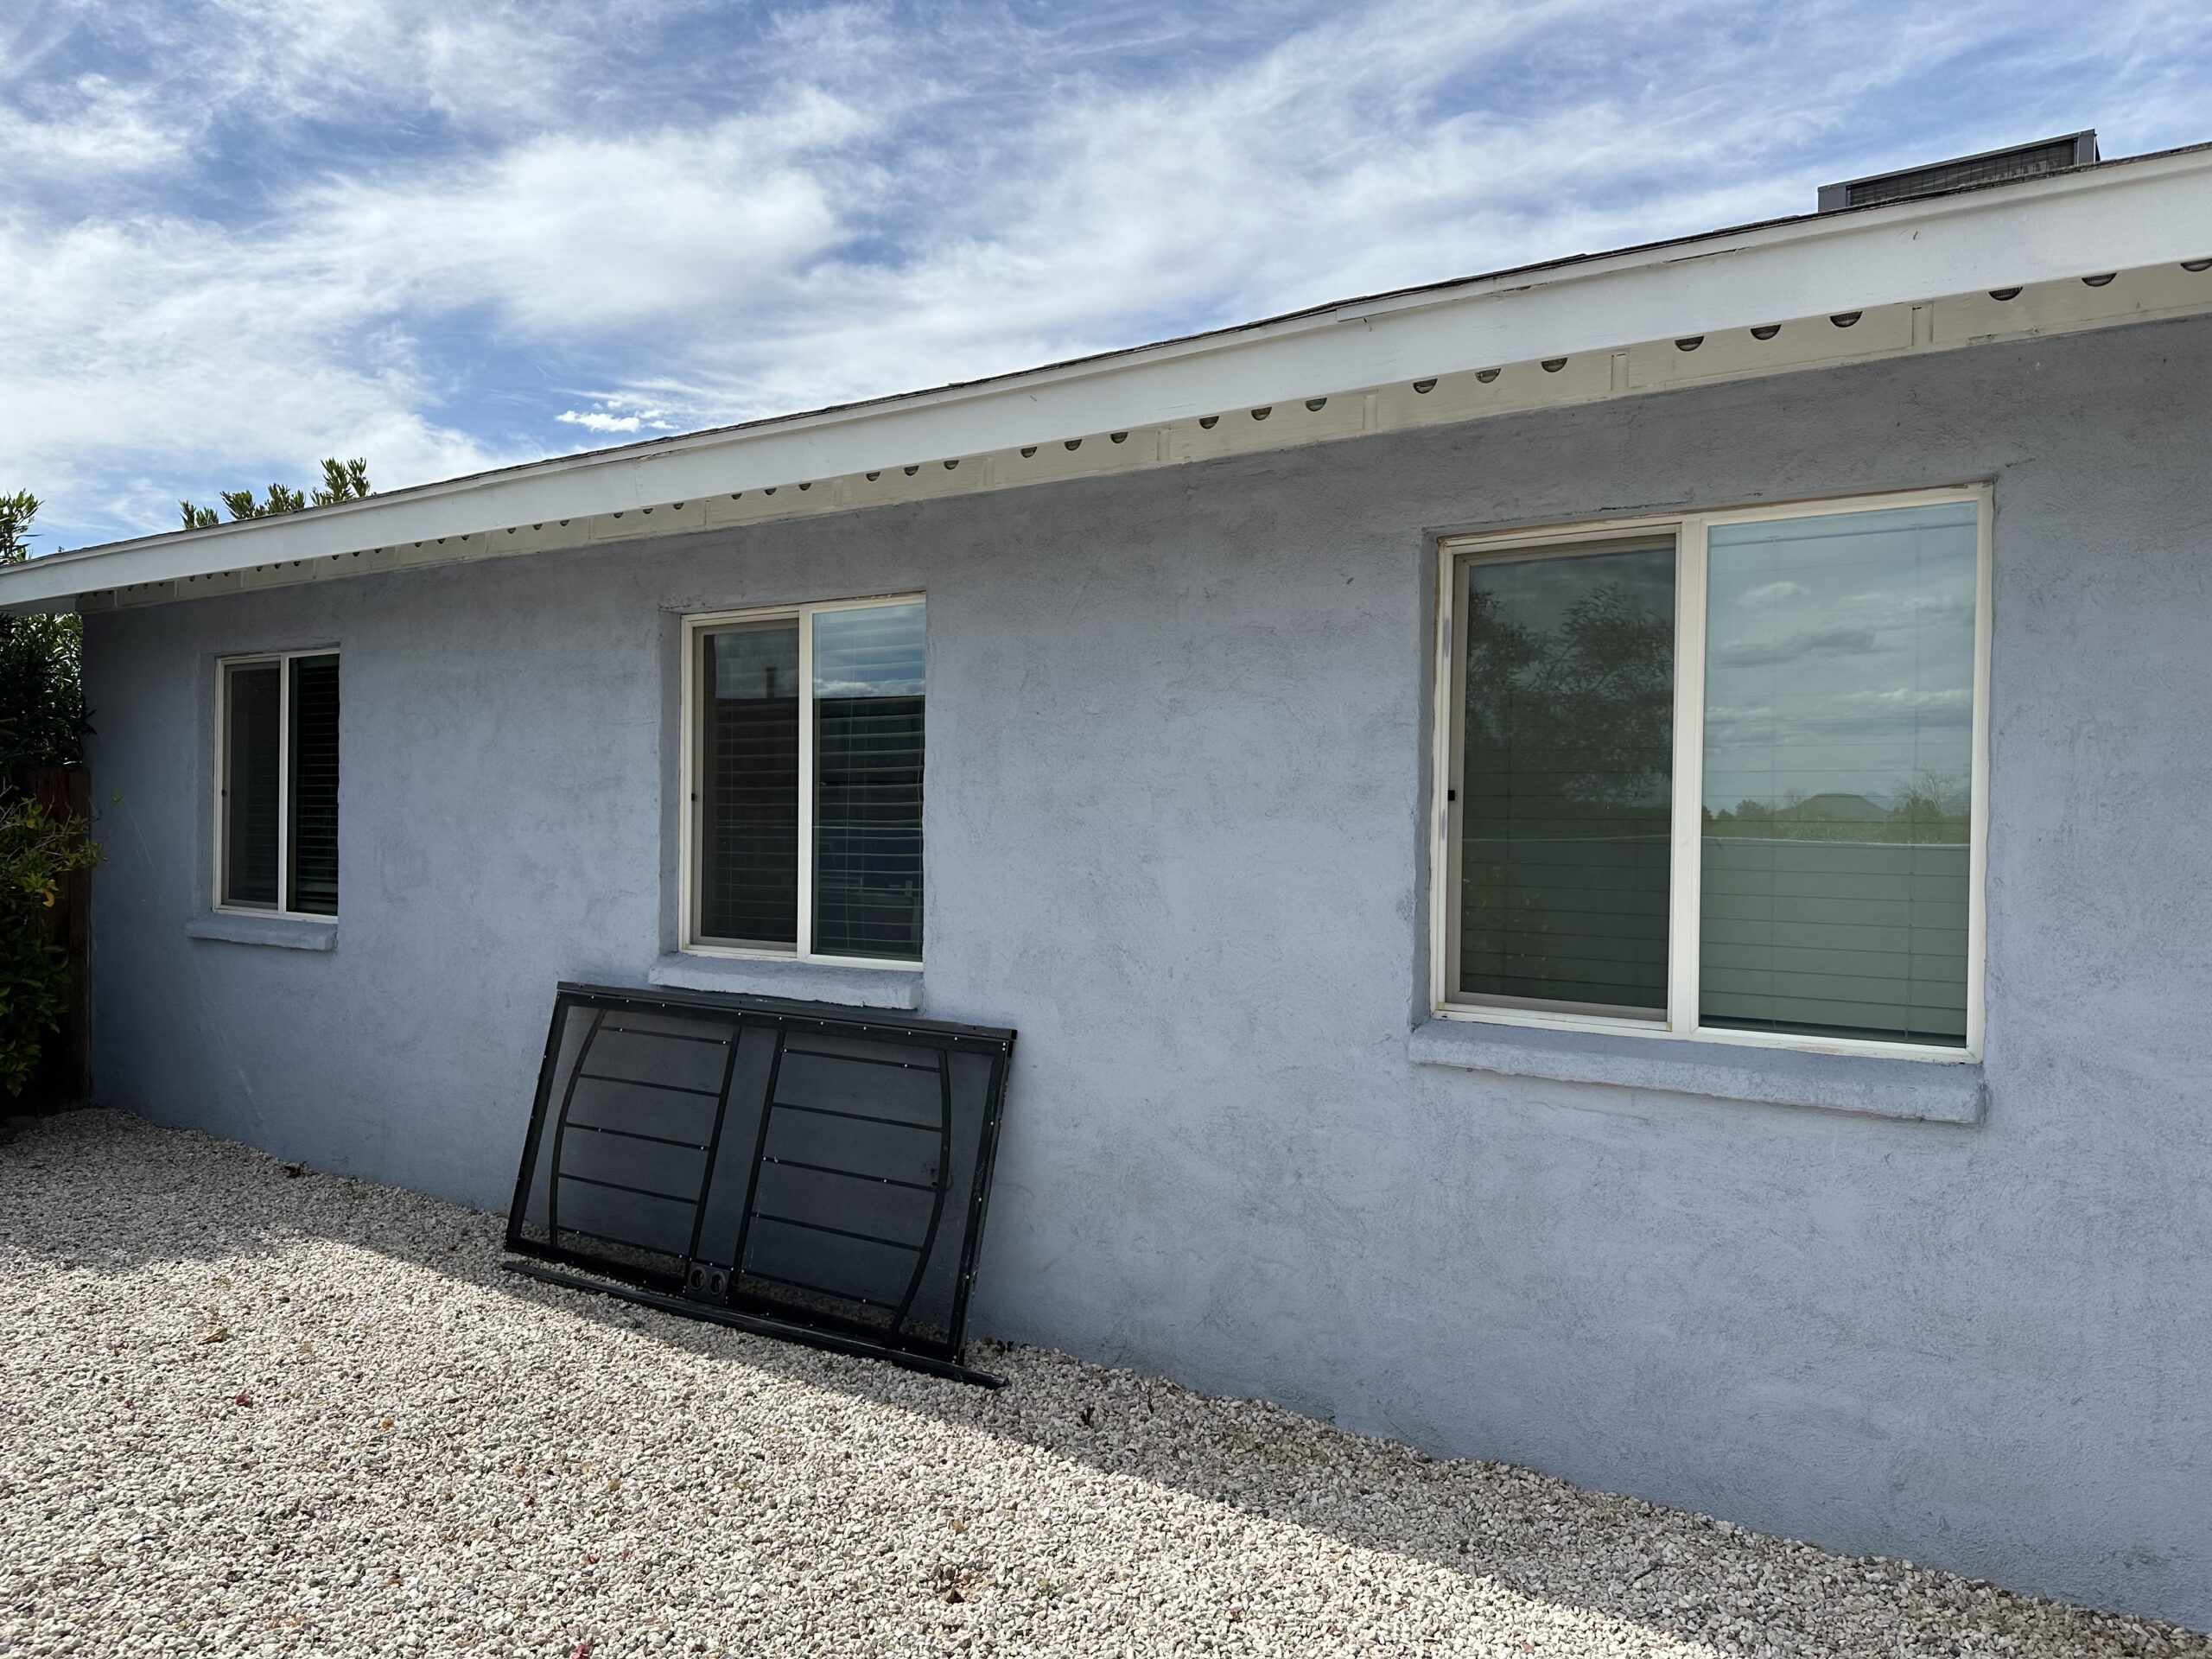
<point x="821" y="1173"/>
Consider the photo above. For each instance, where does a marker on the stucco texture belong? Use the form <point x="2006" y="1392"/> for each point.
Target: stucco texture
<point x="1177" y="731"/>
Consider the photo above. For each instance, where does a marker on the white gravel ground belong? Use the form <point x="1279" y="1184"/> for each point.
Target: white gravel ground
<point x="246" y="1409"/>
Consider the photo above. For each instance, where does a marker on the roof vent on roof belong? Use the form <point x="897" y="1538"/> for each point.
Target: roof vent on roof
<point x="1991" y="167"/>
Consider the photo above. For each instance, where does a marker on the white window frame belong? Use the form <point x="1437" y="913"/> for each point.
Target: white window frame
<point x="283" y="660"/>
<point x="688" y="896"/>
<point x="1690" y="531"/>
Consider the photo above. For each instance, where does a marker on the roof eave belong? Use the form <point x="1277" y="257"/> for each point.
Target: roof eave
<point x="2117" y="215"/>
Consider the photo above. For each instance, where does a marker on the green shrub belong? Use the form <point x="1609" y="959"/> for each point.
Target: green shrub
<point x="41" y="705"/>
<point x="41" y="721"/>
<point x="36" y="851"/>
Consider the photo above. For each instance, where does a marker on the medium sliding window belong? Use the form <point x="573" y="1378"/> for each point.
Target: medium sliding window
<point x="804" y="748"/>
<point x="1720" y="775"/>
<point x="1568" y="684"/>
<point x="277" y="830"/>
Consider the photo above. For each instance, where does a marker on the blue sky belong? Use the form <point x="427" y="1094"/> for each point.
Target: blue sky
<point x="238" y="235"/>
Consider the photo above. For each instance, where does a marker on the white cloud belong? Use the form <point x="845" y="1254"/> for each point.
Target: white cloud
<point x="156" y="347"/>
<point x="299" y="228"/>
<point x="150" y="360"/>
<point x="482" y="67"/>
<point x="619" y="412"/>
<point x="600" y="421"/>
<point x="87" y="127"/>
<point x="1315" y="169"/>
<point x="562" y="233"/>
<point x="1771" y="593"/>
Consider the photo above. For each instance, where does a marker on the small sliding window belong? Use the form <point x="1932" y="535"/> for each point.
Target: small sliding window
<point x="803" y="782"/>
<point x="1720" y="775"/>
<point x="276" y="801"/>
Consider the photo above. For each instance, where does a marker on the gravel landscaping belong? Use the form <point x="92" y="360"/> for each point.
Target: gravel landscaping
<point x="250" y="1409"/>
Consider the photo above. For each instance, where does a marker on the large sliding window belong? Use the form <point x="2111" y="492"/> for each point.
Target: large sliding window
<point x="803" y="740"/>
<point x="1721" y="775"/>
<point x="277" y="806"/>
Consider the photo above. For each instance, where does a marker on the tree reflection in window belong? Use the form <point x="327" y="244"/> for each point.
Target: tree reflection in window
<point x="1567" y="772"/>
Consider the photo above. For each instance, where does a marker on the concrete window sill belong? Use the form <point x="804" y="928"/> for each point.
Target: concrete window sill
<point x="1930" y="1091"/>
<point x="804" y="982"/>
<point x="285" y="932"/>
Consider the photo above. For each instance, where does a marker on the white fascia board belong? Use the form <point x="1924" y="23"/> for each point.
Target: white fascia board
<point x="2118" y="216"/>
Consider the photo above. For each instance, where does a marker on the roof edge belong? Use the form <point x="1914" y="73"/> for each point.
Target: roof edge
<point x="2133" y="211"/>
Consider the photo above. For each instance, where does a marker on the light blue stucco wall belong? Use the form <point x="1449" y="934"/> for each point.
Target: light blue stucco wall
<point x="1177" y="733"/>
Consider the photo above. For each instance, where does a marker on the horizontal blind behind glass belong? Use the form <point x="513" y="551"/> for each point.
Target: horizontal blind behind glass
<point x="867" y="789"/>
<point x="1567" y="766"/>
<point x="748" y="784"/>
<point x="312" y="840"/>
<point x="251" y="710"/>
<point x="1838" y="743"/>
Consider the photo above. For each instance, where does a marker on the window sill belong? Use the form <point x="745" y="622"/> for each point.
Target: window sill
<point x="285" y="932"/>
<point x="1926" y="1090"/>
<point x="803" y="982"/>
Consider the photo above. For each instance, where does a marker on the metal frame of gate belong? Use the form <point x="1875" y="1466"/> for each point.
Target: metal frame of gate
<point x="732" y="1292"/>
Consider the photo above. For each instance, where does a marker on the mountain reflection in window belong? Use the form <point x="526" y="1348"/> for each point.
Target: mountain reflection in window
<point x="1839" y="751"/>
<point x="1566" y="780"/>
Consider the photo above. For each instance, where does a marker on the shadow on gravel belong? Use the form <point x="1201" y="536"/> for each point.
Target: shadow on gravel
<point x="107" y="1203"/>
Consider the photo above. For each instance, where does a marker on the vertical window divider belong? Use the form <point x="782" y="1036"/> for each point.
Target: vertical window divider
<point x="806" y="785"/>
<point x="284" y="786"/>
<point x="1978" y="770"/>
<point x="222" y="780"/>
<point x="1451" y="783"/>
<point x="1441" y="882"/>
<point x="691" y="773"/>
<point x="1686" y="870"/>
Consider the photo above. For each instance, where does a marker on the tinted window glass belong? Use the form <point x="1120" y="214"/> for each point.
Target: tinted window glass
<point x="1566" y="766"/>
<point x="313" y="837"/>
<point x="748" y="784"/>
<point x="868" y="797"/>
<point x="1839" y="746"/>
<point x="252" y="712"/>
